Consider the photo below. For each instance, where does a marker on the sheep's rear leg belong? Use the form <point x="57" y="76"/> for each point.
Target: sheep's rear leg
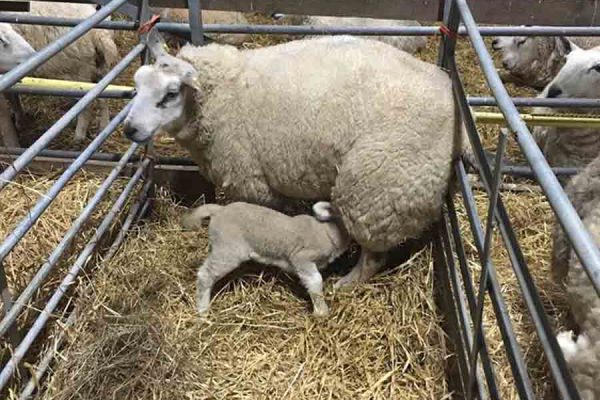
<point x="368" y="264"/>
<point x="17" y="108"/>
<point x="313" y="282"/>
<point x="212" y="270"/>
<point x="7" y="127"/>
<point x="83" y="123"/>
<point x="104" y="117"/>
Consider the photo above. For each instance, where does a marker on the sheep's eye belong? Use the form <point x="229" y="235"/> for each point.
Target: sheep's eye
<point x="596" y="68"/>
<point x="3" y="42"/>
<point x="170" y="96"/>
<point x="520" y="42"/>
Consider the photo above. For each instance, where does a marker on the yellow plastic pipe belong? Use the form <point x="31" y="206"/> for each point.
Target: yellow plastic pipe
<point x="63" y="84"/>
<point x="559" y="120"/>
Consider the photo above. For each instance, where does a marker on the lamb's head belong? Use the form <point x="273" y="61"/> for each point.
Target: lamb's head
<point x="163" y="100"/>
<point x="579" y="77"/>
<point x="13" y="48"/>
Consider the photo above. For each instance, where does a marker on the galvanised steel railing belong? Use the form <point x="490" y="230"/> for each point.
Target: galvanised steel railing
<point x="477" y="373"/>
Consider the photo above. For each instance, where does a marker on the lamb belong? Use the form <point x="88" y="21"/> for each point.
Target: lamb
<point x="210" y="17"/>
<point x="410" y="44"/>
<point x="88" y="59"/>
<point x="354" y="121"/>
<point x="14" y="50"/>
<point x="581" y="353"/>
<point x="239" y="232"/>
<point x="578" y="78"/>
<point x="534" y="61"/>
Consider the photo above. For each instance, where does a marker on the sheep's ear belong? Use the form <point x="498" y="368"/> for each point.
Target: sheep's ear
<point x="156" y="44"/>
<point x="190" y="78"/>
<point x="567" y="45"/>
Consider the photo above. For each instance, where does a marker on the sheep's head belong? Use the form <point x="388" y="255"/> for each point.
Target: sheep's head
<point x="163" y="93"/>
<point x="13" y="48"/>
<point x="579" y="77"/>
<point x="517" y="51"/>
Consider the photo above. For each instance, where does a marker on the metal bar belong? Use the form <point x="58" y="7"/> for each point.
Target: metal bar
<point x="97" y="156"/>
<point x="460" y="309"/>
<point x="129" y="220"/>
<point x="175" y="27"/>
<point x="15" y="74"/>
<point x="513" y="349"/>
<point x="524" y="171"/>
<point x="38" y="91"/>
<point x="584" y="246"/>
<point x="44" y="202"/>
<point x="12" y="170"/>
<point x="14" y="6"/>
<point x="46" y="360"/>
<point x="54" y="257"/>
<point x="470" y="294"/>
<point x="486" y="260"/>
<point x="195" y="18"/>
<point x="69" y="280"/>
<point x="536" y="102"/>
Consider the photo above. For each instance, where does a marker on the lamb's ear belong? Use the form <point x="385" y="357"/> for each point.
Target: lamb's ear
<point x="323" y="211"/>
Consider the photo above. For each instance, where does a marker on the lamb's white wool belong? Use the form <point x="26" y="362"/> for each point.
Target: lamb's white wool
<point x="87" y="59"/>
<point x="582" y="353"/>
<point x="13" y="48"/>
<point x="578" y="78"/>
<point x="240" y="232"/>
<point x="352" y="120"/>
<point x="535" y="60"/>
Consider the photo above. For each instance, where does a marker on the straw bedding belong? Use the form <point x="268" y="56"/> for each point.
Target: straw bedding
<point x="139" y="336"/>
<point x="24" y="261"/>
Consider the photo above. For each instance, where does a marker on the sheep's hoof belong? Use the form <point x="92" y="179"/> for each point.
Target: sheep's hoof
<point x="321" y="313"/>
<point x="346" y="281"/>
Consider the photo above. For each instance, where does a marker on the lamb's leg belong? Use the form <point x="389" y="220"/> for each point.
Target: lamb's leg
<point x="83" y="123"/>
<point x="215" y="267"/>
<point x="368" y="264"/>
<point x="7" y="127"/>
<point x="313" y="282"/>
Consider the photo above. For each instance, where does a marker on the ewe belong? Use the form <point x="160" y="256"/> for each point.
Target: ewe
<point x="354" y="121"/>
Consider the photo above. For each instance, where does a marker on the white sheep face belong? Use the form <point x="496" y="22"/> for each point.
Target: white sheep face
<point x="160" y="100"/>
<point x="517" y="51"/>
<point x="579" y="77"/>
<point x="13" y="48"/>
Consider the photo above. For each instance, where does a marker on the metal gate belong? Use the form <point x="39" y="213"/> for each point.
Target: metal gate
<point x="465" y="298"/>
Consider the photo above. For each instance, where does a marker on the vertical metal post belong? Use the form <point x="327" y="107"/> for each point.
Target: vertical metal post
<point x="142" y="17"/>
<point x="483" y="279"/>
<point x="448" y="41"/>
<point x="195" y="17"/>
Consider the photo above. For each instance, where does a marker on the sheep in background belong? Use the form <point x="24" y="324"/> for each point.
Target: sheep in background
<point x="356" y="121"/>
<point x="210" y="17"/>
<point x="578" y="78"/>
<point x="240" y="232"/>
<point x="535" y="60"/>
<point x="410" y="44"/>
<point x="88" y="59"/>
<point x="13" y="51"/>
<point x="581" y="353"/>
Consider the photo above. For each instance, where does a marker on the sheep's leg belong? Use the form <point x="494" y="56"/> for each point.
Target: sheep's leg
<point x="104" y="117"/>
<point x="17" y="108"/>
<point x="214" y="268"/>
<point x="313" y="282"/>
<point x="368" y="264"/>
<point x="83" y="123"/>
<point x="7" y="127"/>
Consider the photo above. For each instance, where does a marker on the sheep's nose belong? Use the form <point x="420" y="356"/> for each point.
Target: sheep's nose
<point x="505" y="65"/>
<point x="129" y="132"/>
<point x="553" y="92"/>
<point x="495" y="44"/>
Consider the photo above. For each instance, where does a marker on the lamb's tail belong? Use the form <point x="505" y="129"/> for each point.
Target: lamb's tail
<point x="194" y="219"/>
<point x="322" y="211"/>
